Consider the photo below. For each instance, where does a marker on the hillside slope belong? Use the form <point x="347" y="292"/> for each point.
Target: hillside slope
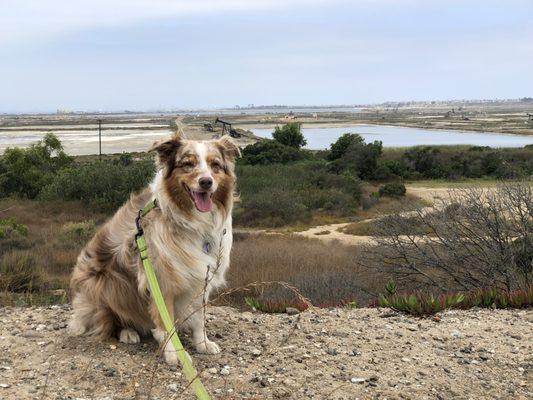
<point x="323" y="354"/>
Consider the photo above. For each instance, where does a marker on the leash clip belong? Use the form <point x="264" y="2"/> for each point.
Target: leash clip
<point x="140" y="230"/>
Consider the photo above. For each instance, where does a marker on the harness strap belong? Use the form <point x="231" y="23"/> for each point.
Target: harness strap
<point x="190" y="372"/>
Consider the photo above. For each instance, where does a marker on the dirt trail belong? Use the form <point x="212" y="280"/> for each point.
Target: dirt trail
<point x="333" y="232"/>
<point x="323" y="354"/>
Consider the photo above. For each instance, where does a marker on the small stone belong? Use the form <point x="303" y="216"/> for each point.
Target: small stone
<point x="110" y="372"/>
<point x="225" y="370"/>
<point x="456" y="334"/>
<point x="358" y="380"/>
<point x="212" y="370"/>
<point x="173" y="387"/>
<point x="332" y="352"/>
<point x="292" y="311"/>
<point x="112" y="347"/>
<point x="255" y="352"/>
<point x="516" y="336"/>
<point x="406" y="359"/>
<point x="4" y="385"/>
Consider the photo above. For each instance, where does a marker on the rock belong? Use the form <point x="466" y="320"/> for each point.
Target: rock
<point x="255" y="352"/>
<point x="292" y="311"/>
<point x="4" y="385"/>
<point x="331" y="351"/>
<point x="406" y="359"/>
<point x="173" y="387"/>
<point x="225" y="370"/>
<point x="358" y="380"/>
<point x="212" y="370"/>
<point x="456" y="334"/>
<point x="516" y="336"/>
<point x="109" y="372"/>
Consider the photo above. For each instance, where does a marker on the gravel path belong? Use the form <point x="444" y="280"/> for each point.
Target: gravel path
<point x="322" y="354"/>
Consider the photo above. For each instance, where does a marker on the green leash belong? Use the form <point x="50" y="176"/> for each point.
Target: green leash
<point x="186" y="364"/>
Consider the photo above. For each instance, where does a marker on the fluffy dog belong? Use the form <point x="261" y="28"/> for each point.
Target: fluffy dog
<point x="189" y="239"/>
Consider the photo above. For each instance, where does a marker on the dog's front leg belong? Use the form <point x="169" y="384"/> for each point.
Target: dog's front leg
<point x="160" y="333"/>
<point x="193" y="316"/>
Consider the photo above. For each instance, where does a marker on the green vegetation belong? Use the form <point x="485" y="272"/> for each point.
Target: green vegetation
<point x="275" y="195"/>
<point x="421" y="303"/>
<point x="24" y="172"/>
<point x="267" y="151"/>
<point x="102" y="185"/>
<point x="393" y="189"/>
<point x="290" y="135"/>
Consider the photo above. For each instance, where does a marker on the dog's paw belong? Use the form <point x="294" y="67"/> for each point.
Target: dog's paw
<point x="75" y="328"/>
<point x="207" y="347"/>
<point x="129" y="336"/>
<point x="170" y="356"/>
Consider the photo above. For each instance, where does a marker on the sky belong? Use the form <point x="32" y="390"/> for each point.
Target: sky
<point x="111" y="55"/>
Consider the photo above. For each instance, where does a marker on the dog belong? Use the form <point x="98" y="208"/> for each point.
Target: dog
<point x="189" y="239"/>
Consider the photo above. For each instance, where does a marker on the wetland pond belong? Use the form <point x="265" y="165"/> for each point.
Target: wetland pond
<point x="396" y="136"/>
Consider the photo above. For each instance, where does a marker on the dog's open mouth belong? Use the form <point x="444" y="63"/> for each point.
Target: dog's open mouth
<point x="201" y="200"/>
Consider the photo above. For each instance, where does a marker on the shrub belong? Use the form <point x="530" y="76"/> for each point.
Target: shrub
<point x="24" y="172"/>
<point x="9" y="226"/>
<point x="18" y="272"/>
<point x="267" y="151"/>
<point x="343" y="143"/>
<point x="101" y="184"/>
<point x="77" y="233"/>
<point x="479" y="238"/>
<point x="13" y="235"/>
<point x="290" y="135"/>
<point x="276" y="195"/>
<point x="359" y="158"/>
<point x="393" y="189"/>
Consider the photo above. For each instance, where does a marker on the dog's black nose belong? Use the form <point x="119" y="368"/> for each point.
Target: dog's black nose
<point x="205" y="183"/>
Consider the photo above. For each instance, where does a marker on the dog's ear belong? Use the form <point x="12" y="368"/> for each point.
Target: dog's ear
<point x="166" y="149"/>
<point x="228" y="148"/>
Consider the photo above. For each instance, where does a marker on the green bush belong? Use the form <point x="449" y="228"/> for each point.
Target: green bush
<point x="267" y="151"/>
<point x="101" y="184"/>
<point x="18" y="272"/>
<point x="13" y="235"/>
<point x="393" y="189"/>
<point x="276" y="195"/>
<point x="343" y="143"/>
<point x="290" y="135"/>
<point x="77" y="233"/>
<point x="351" y="154"/>
<point x="24" y="172"/>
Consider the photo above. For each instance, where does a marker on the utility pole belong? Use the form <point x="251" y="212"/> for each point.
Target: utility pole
<point x="100" y="139"/>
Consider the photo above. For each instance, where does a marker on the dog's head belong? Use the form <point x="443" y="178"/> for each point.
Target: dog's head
<point x="197" y="174"/>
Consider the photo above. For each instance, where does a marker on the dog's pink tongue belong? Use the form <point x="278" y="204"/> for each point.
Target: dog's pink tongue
<point x="202" y="201"/>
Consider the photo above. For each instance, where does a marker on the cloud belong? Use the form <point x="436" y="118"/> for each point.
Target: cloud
<point x="23" y="21"/>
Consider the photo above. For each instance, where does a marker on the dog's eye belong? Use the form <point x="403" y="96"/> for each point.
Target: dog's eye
<point x="216" y="166"/>
<point x="187" y="164"/>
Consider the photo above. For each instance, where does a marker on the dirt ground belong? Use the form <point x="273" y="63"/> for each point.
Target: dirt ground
<point x="323" y="354"/>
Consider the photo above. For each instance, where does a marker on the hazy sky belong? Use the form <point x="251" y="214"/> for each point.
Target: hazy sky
<point x="128" y="54"/>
